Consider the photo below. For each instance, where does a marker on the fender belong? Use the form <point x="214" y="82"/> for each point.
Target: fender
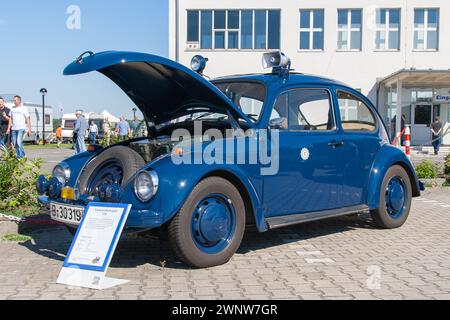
<point x="77" y="163"/>
<point x="386" y="158"/>
<point x="177" y="182"/>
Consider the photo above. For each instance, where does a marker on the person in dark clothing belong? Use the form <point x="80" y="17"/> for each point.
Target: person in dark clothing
<point x="5" y="114"/>
<point x="436" y="131"/>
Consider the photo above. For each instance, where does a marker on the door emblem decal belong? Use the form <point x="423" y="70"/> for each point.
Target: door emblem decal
<point x="305" y="154"/>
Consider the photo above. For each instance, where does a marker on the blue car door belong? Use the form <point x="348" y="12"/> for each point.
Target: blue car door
<point x="310" y="175"/>
<point x="361" y="134"/>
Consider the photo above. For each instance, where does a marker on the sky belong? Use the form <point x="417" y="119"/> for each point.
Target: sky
<point x="38" y="39"/>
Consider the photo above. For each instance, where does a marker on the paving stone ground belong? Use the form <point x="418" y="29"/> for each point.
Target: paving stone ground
<point x="345" y="258"/>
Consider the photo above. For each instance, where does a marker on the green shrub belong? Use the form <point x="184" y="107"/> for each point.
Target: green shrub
<point x="447" y="165"/>
<point x="17" y="183"/>
<point x="427" y="170"/>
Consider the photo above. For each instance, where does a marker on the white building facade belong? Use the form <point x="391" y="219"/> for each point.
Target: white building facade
<point x="396" y="52"/>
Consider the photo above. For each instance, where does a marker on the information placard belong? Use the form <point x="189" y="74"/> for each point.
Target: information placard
<point x="93" y="246"/>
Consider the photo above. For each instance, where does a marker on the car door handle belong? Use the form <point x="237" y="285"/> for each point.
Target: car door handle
<point x="336" y="144"/>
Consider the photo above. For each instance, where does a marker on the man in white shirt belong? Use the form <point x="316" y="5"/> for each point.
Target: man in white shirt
<point x="93" y="132"/>
<point x="19" y="123"/>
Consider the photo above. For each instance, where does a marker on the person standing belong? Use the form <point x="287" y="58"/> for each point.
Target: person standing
<point x="436" y="132"/>
<point x="81" y="127"/>
<point x="19" y="123"/>
<point x="58" y="133"/>
<point x="93" y="132"/>
<point x="107" y="132"/>
<point x="123" y="129"/>
<point x="4" y="123"/>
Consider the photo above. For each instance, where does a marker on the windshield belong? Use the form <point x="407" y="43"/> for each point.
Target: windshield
<point x="248" y="96"/>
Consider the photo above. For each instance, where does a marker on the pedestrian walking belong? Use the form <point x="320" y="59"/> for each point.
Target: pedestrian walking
<point x="93" y="132"/>
<point x="19" y="123"/>
<point x="436" y="132"/>
<point x="4" y="123"/>
<point x="123" y="129"/>
<point x="81" y="127"/>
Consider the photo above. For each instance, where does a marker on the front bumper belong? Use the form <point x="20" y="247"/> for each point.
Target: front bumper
<point x="139" y="219"/>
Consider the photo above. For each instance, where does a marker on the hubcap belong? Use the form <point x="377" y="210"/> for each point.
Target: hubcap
<point x="213" y="223"/>
<point x="396" y="197"/>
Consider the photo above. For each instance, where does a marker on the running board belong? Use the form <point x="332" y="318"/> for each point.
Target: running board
<point x="289" y="220"/>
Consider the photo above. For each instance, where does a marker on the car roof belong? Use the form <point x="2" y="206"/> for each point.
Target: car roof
<point x="271" y="78"/>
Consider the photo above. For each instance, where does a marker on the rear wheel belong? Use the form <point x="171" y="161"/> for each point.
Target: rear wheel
<point x="395" y="199"/>
<point x="209" y="228"/>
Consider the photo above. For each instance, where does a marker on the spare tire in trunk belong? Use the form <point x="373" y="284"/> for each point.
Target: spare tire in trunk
<point x="115" y="165"/>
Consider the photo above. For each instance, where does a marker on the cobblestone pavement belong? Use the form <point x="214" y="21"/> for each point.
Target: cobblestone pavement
<point x="344" y="258"/>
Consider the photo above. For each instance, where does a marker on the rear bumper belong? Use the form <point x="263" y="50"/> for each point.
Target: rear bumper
<point x="139" y="219"/>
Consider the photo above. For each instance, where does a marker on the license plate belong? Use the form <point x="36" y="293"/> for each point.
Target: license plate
<point x="66" y="213"/>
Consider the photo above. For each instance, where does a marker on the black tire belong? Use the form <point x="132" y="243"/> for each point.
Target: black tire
<point x="129" y="160"/>
<point x="180" y="228"/>
<point x="381" y="215"/>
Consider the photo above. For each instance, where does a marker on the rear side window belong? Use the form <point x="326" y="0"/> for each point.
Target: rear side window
<point x="304" y="110"/>
<point x="355" y="114"/>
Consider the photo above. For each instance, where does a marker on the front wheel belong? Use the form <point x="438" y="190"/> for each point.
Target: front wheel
<point x="209" y="228"/>
<point x="395" y="199"/>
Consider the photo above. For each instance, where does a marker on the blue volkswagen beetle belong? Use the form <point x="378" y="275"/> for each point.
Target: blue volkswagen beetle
<point x="327" y="155"/>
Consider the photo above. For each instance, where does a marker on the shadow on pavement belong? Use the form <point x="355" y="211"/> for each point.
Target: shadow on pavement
<point x="53" y="242"/>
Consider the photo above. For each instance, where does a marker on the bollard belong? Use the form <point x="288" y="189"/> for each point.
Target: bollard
<point x="408" y="141"/>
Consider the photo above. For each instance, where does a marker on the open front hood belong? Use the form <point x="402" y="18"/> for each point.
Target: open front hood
<point x="162" y="89"/>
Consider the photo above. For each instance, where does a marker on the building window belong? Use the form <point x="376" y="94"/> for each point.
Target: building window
<point x="388" y="29"/>
<point x="426" y="29"/>
<point x="193" y="26"/>
<point x="260" y="29"/>
<point x="311" y="29"/>
<point x="349" y="29"/>
<point x="247" y="29"/>
<point x="234" y="29"/>
<point x="206" y="29"/>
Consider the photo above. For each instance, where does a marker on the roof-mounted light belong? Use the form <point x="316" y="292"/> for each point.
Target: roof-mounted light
<point x="278" y="61"/>
<point x="198" y="64"/>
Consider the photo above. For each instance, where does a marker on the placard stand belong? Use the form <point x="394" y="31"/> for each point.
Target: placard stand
<point x="94" y="244"/>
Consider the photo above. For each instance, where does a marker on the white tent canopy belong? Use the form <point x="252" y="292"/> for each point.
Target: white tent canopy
<point x="93" y="115"/>
<point x="110" y="117"/>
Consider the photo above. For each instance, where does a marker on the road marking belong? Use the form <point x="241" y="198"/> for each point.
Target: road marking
<point x="327" y="260"/>
<point x="309" y="253"/>
<point x="430" y="201"/>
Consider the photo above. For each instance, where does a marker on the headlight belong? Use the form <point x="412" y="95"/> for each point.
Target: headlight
<point x="62" y="170"/>
<point x="146" y="185"/>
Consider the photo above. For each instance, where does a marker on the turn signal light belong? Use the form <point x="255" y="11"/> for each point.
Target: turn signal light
<point x="68" y="193"/>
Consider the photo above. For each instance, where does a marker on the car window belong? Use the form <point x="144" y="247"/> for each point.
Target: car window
<point x="303" y="110"/>
<point x="355" y="114"/>
<point x="248" y="96"/>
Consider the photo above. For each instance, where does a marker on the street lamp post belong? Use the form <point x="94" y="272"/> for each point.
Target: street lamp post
<point x="43" y="92"/>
